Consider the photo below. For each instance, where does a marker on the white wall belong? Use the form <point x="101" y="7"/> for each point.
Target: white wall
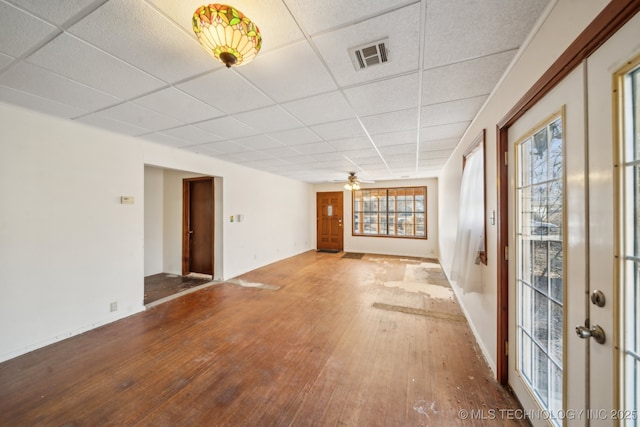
<point x="68" y="248"/>
<point x="564" y="22"/>
<point x="388" y="245"/>
<point x="153" y="220"/>
<point x="277" y="211"/>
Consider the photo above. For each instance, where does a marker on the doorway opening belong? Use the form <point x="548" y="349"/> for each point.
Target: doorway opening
<point x="163" y="234"/>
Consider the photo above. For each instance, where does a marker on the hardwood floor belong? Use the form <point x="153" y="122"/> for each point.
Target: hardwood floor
<point x="308" y="349"/>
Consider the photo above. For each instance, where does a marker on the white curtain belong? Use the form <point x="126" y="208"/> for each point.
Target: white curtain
<point x="466" y="270"/>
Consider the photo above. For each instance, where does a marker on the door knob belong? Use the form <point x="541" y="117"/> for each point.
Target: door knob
<point x="596" y="332"/>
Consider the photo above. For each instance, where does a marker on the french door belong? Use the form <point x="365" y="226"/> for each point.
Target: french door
<point x="574" y="239"/>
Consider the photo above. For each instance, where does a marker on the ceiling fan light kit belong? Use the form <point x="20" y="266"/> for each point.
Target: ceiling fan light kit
<point x="353" y="182"/>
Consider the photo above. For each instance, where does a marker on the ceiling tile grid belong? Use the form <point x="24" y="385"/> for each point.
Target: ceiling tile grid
<point x="301" y="109"/>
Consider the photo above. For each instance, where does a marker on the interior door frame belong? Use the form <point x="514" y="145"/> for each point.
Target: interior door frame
<point x="608" y="22"/>
<point x="186" y="214"/>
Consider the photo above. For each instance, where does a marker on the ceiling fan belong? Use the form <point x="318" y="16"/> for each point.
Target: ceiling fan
<point x="353" y="182"/>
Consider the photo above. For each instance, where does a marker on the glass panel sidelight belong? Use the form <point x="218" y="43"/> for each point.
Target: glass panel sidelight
<point x="630" y="239"/>
<point x="540" y="267"/>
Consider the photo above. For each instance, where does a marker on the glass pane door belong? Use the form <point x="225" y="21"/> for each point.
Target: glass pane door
<point x="540" y="271"/>
<point x="630" y="238"/>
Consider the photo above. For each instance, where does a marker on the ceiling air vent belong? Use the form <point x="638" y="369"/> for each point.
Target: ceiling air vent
<point x="370" y="54"/>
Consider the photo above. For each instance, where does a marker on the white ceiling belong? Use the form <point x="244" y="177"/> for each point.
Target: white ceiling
<point x="300" y="109"/>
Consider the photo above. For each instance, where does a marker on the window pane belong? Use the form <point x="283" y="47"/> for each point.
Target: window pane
<point x="399" y="212"/>
<point x="539" y="155"/>
<point x="540" y="270"/>
<point x="630" y="236"/>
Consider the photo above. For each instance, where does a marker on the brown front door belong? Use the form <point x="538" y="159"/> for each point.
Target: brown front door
<point x="329" y="218"/>
<point x="197" y="233"/>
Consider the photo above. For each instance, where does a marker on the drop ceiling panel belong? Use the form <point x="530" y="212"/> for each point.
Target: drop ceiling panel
<point x="465" y="79"/>
<point x="258" y="142"/>
<point x="175" y="103"/>
<point x="402" y="28"/>
<point x="390" y="150"/>
<point x="319" y="16"/>
<point x="315" y="148"/>
<point x="20" y="31"/>
<point x="140" y="116"/>
<point x="346" y="144"/>
<point x="449" y="131"/>
<point x="271" y="16"/>
<point x="451" y="112"/>
<point x="396" y="138"/>
<point x="296" y="136"/>
<point x="56" y="12"/>
<point x="285" y="74"/>
<point x="287" y="153"/>
<point x="441" y="144"/>
<point x="252" y="156"/>
<point x="227" y="91"/>
<point x="225" y="147"/>
<point x="270" y="119"/>
<point x="392" y="121"/>
<point x="79" y="61"/>
<point x="457" y="30"/>
<point x="324" y="108"/>
<point x="37" y="103"/>
<point x="340" y="129"/>
<point x="31" y="79"/>
<point x="227" y="128"/>
<point x="138" y="30"/>
<point x="435" y="154"/>
<point x="5" y="60"/>
<point x="269" y="164"/>
<point x="201" y="149"/>
<point x="192" y="134"/>
<point x="361" y="154"/>
<point x="332" y="157"/>
<point x="399" y="93"/>
<point x="371" y="161"/>
<point x="301" y="162"/>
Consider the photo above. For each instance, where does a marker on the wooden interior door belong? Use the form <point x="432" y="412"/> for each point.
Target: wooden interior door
<point x="329" y="207"/>
<point x="197" y="233"/>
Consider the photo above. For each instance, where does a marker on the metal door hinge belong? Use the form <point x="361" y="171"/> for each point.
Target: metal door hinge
<point x="506" y="253"/>
<point x="506" y="348"/>
<point x="506" y="158"/>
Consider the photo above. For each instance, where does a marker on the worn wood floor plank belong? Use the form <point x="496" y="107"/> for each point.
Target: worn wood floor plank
<point x="319" y="350"/>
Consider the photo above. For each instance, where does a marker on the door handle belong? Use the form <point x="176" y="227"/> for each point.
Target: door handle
<point x="596" y="332"/>
<point x="190" y="231"/>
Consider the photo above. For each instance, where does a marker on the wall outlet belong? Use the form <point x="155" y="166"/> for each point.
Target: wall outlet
<point x="113" y="306"/>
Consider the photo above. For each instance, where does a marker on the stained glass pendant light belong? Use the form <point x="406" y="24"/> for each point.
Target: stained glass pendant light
<point x="227" y="34"/>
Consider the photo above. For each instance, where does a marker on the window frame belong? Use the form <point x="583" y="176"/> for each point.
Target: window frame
<point x="379" y="213"/>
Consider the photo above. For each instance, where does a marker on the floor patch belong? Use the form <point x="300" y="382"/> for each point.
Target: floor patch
<point x="420" y="312"/>
<point x="246" y="284"/>
<point x="353" y="255"/>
